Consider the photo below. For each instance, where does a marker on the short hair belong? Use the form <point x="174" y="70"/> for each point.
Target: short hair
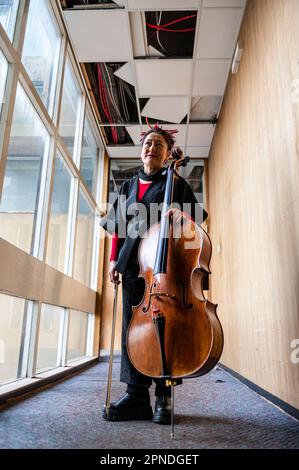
<point x="167" y="135"/>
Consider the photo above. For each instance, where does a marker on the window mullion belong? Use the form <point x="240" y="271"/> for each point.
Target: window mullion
<point x="6" y="117"/>
<point x="95" y="254"/>
<point x="20" y="26"/>
<point x="64" y="337"/>
<point x="71" y="235"/>
<point x="90" y="332"/>
<point x="79" y="132"/>
<point x="31" y="344"/>
<point x="45" y="203"/>
<point x="60" y="81"/>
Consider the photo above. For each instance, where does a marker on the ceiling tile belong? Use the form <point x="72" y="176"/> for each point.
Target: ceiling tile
<point x="134" y="132"/>
<point x="200" y="135"/>
<point x="125" y="151"/>
<point x="166" y="108"/>
<point x="218" y="32"/>
<point x="210" y="76"/>
<point x="163" y="77"/>
<point x="197" y="152"/>
<point x="125" y="73"/>
<point x="205" y="107"/>
<point x="161" y="4"/>
<point x="92" y="30"/>
<point x="223" y="3"/>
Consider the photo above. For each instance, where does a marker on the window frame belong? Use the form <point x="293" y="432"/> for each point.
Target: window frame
<point x="19" y="285"/>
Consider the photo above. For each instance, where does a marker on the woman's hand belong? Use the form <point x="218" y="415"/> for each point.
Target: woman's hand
<point x="113" y="273"/>
<point x="177" y="215"/>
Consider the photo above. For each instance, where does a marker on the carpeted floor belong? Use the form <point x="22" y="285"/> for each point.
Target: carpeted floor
<point x="213" y="411"/>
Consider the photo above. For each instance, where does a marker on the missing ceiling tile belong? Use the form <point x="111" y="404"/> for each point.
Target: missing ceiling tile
<point x="171" y="33"/>
<point x="115" y="98"/>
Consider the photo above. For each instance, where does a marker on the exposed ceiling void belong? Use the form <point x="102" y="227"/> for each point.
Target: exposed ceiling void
<point x="117" y="135"/>
<point x="115" y="98"/>
<point x="171" y="32"/>
<point x="163" y="33"/>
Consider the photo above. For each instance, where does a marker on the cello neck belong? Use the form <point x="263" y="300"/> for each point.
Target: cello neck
<point x="162" y="247"/>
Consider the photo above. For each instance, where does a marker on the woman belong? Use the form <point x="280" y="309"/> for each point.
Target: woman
<point x="148" y="187"/>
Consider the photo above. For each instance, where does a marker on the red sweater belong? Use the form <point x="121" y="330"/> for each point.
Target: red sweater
<point x="116" y="241"/>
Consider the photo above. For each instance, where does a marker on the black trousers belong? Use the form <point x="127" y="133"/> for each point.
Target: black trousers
<point x="132" y="293"/>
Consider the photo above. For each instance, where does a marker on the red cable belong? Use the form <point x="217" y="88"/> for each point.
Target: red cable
<point x="105" y="104"/>
<point x="160" y="28"/>
<point x="100" y="90"/>
<point x="178" y="20"/>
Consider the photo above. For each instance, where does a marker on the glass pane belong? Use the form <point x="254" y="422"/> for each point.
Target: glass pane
<point x="11" y="328"/>
<point x="3" y="76"/>
<point x="89" y="157"/>
<point x="59" y="212"/>
<point x="70" y="107"/>
<point x="121" y="170"/>
<point x="41" y="50"/>
<point x="84" y="241"/>
<point x="29" y="142"/>
<point x="8" y="15"/>
<point x="77" y="337"/>
<point x="49" y="329"/>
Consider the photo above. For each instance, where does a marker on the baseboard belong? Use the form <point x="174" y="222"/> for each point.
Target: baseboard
<point x="291" y="410"/>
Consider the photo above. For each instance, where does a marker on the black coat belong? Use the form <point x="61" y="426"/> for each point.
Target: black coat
<point x="119" y="219"/>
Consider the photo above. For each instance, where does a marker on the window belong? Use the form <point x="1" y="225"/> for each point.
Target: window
<point x="70" y="108"/>
<point x="77" y="337"/>
<point x="84" y="241"/>
<point x="59" y="216"/>
<point x="49" y="330"/>
<point x="41" y="50"/>
<point x="89" y="158"/>
<point x="11" y="327"/>
<point x="3" y="76"/>
<point x="8" y="15"/>
<point x="29" y="143"/>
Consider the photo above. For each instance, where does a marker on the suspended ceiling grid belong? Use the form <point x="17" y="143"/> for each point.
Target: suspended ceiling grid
<point x="172" y="88"/>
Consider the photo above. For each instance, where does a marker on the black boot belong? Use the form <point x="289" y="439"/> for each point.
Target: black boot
<point x="162" y="413"/>
<point x="131" y="406"/>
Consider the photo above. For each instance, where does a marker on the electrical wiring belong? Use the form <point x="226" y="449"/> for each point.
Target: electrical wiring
<point x="116" y="101"/>
<point x="125" y="102"/>
<point x="158" y="20"/>
<point x="160" y="28"/>
<point x="178" y="20"/>
<point x="105" y="104"/>
<point x="164" y="27"/>
<point x="129" y="93"/>
<point x="111" y="95"/>
<point x="121" y="93"/>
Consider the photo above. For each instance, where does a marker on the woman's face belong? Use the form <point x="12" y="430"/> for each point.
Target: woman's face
<point x="154" y="151"/>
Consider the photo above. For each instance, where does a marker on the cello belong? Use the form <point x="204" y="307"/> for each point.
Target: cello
<point x="174" y="332"/>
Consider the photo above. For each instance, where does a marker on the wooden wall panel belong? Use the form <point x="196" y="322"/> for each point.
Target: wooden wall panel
<point x="254" y="201"/>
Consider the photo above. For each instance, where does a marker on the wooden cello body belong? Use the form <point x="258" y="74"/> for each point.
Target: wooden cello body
<point x="174" y="331"/>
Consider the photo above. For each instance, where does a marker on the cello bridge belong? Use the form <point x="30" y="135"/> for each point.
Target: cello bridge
<point x="157" y="295"/>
